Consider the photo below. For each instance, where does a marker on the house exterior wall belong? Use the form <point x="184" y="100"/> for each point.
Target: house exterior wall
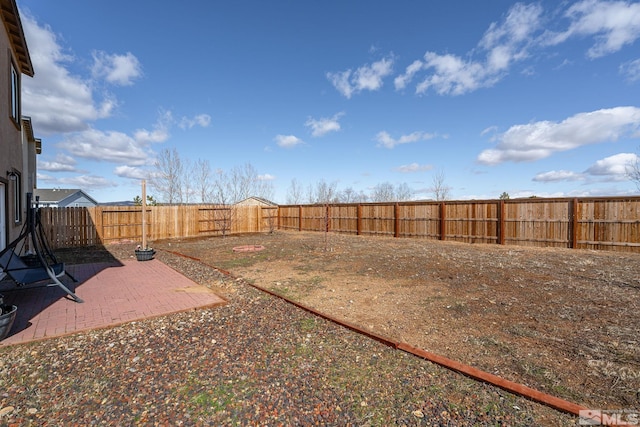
<point x="30" y="148"/>
<point x="10" y="142"/>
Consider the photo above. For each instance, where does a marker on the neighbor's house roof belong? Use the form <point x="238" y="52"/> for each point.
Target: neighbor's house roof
<point x="60" y="196"/>
<point x="253" y="201"/>
<point x="13" y="25"/>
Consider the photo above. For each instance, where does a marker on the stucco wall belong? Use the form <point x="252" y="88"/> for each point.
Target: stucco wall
<point x="10" y="137"/>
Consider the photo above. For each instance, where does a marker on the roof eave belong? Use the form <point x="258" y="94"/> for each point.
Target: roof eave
<point x="15" y="32"/>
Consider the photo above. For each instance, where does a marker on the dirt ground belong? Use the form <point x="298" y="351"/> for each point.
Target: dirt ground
<point x="562" y="321"/>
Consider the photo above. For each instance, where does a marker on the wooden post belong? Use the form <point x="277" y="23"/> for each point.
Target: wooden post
<point x="327" y="219"/>
<point x="299" y="217"/>
<point x="359" y="220"/>
<point x="396" y="220"/>
<point x="443" y="220"/>
<point x="144" y="214"/>
<point x="501" y="222"/>
<point x="259" y="218"/>
<point x="573" y="224"/>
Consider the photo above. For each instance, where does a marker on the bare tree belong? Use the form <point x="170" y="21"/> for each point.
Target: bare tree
<point x="264" y="188"/>
<point x="203" y="180"/>
<point x="349" y="195"/>
<point x="294" y="194"/>
<point x="403" y="192"/>
<point x="168" y="177"/>
<point x="633" y="171"/>
<point x="271" y="217"/>
<point x="326" y="192"/>
<point x="387" y="192"/>
<point x="383" y="192"/>
<point x="311" y="194"/>
<point x="221" y="196"/>
<point x="188" y="179"/>
<point x="244" y="181"/>
<point x="439" y="187"/>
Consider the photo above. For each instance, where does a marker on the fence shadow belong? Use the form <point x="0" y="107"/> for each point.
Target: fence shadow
<point x="33" y="299"/>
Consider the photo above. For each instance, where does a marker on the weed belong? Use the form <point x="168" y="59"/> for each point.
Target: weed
<point x="308" y="324"/>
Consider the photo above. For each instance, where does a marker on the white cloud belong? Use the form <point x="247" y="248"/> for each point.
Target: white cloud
<point x="367" y="77"/>
<point x="385" y="140"/>
<point x="287" y="141"/>
<point x="414" y="167"/>
<point x="613" y="24"/>
<point x="324" y="125"/>
<point x="86" y="182"/>
<point x="62" y="163"/>
<point x="631" y="70"/>
<point x="160" y="132"/>
<point x="453" y="75"/>
<point x="131" y="172"/>
<point x="402" y="80"/>
<point x="56" y="100"/>
<point x="538" y="140"/>
<point x="266" y="177"/>
<point x="616" y="166"/>
<point x="110" y="146"/>
<point x="509" y="41"/>
<point x="116" y="69"/>
<point x="490" y="129"/>
<point x="502" y="44"/>
<point x="202" y="120"/>
<point x="558" y="176"/>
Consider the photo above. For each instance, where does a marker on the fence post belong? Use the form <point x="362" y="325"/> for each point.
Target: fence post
<point x="259" y="218"/>
<point x="299" y="217"/>
<point x="396" y="220"/>
<point x="327" y="219"/>
<point x="278" y="217"/>
<point x="359" y="220"/>
<point x="501" y="222"/>
<point x="573" y="221"/>
<point x="443" y="219"/>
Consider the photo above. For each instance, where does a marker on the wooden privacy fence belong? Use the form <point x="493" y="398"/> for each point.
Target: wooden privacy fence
<point x="608" y="223"/>
<point x="72" y="227"/>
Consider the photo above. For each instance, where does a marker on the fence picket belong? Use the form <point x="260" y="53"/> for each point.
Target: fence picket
<point x="607" y="223"/>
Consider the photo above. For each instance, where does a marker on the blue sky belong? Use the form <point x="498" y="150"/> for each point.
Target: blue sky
<point x="535" y="98"/>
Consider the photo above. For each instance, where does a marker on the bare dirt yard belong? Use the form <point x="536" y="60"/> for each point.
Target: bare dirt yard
<point x="562" y="321"/>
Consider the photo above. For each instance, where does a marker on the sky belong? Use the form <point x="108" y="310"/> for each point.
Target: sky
<point x="534" y="98"/>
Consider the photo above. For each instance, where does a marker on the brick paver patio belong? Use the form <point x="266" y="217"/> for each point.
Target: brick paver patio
<point x="113" y="294"/>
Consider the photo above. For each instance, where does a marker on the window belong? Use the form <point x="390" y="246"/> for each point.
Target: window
<point x="15" y="178"/>
<point x="15" y="94"/>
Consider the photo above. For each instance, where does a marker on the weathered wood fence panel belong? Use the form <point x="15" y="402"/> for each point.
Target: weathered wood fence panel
<point x="537" y="222"/>
<point x="69" y="227"/>
<point x="289" y="217"/>
<point x="471" y="221"/>
<point x="606" y="223"/>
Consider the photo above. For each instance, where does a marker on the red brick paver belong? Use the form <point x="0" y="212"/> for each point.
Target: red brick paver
<point x="112" y="294"/>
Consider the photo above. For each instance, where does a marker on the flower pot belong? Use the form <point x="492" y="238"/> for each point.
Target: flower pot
<point x="7" y="317"/>
<point x="145" y="254"/>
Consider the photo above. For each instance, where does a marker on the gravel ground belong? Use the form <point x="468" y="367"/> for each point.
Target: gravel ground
<point x="256" y="361"/>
